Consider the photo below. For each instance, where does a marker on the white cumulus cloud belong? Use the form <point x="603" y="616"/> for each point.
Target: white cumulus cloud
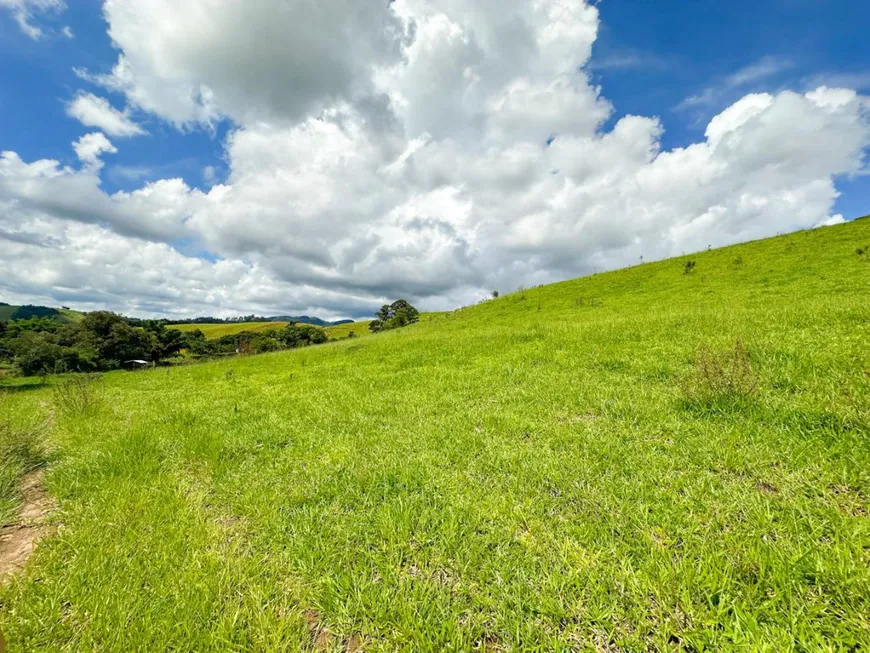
<point x="831" y="221"/>
<point x="90" y="147"/>
<point x="431" y="149"/>
<point x="94" y="111"/>
<point x="195" y="61"/>
<point x="49" y="191"/>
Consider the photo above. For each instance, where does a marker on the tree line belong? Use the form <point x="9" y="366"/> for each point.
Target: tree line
<point x="249" y="342"/>
<point x="101" y="341"/>
<point x="226" y="320"/>
<point x="104" y="341"/>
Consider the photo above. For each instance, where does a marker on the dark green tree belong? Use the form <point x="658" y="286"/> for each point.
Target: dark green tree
<point x="393" y="316"/>
<point x="114" y="340"/>
<point x="167" y="342"/>
<point x="38" y="352"/>
<point x="301" y="335"/>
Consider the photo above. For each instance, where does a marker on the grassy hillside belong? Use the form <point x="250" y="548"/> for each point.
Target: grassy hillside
<point x="638" y="460"/>
<point x="360" y="329"/>
<point x="70" y="316"/>
<point x="11" y="312"/>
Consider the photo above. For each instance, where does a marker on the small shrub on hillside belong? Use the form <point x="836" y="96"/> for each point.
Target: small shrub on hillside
<point x="720" y="375"/>
<point x="738" y="261"/>
<point x="77" y="394"/>
<point x="688" y="267"/>
<point x="351" y="334"/>
<point x="495" y="294"/>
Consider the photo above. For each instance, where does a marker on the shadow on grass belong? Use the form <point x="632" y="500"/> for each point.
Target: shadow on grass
<point x="10" y="388"/>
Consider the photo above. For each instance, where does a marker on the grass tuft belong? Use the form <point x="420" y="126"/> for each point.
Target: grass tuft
<point x="77" y="394"/>
<point x="720" y="376"/>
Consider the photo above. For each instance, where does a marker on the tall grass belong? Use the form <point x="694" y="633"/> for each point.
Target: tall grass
<point x="720" y="376"/>
<point x="22" y="449"/>
<point x="77" y="394"/>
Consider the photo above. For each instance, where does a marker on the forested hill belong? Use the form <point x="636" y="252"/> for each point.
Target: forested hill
<point x="9" y="312"/>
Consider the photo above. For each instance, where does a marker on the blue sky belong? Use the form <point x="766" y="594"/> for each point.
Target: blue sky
<point x="651" y="56"/>
<point x="38" y="79"/>
<point x="681" y="63"/>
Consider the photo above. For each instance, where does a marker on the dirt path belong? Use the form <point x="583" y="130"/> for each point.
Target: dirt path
<point x="18" y="540"/>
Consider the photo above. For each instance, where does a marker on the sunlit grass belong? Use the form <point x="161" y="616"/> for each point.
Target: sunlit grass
<point x="343" y="330"/>
<point x="593" y="465"/>
<point x="211" y="331"/>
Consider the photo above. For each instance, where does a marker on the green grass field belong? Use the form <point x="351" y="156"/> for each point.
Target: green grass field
<point x="219" y="330"/>
<point x="212" y="331"/>
<point x="644" y="460"/>
<point x="339" y="331"/>
<point x="70" y="316"/>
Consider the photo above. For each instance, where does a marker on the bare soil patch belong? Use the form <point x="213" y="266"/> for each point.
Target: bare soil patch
<point x="323" y="640"/>
<point x="18" y="540"/>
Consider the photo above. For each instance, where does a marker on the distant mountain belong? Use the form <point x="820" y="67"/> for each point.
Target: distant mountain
<point x="305" y="319"/>
<point x="246" y="319"/>
<point x="9" y="312"/>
